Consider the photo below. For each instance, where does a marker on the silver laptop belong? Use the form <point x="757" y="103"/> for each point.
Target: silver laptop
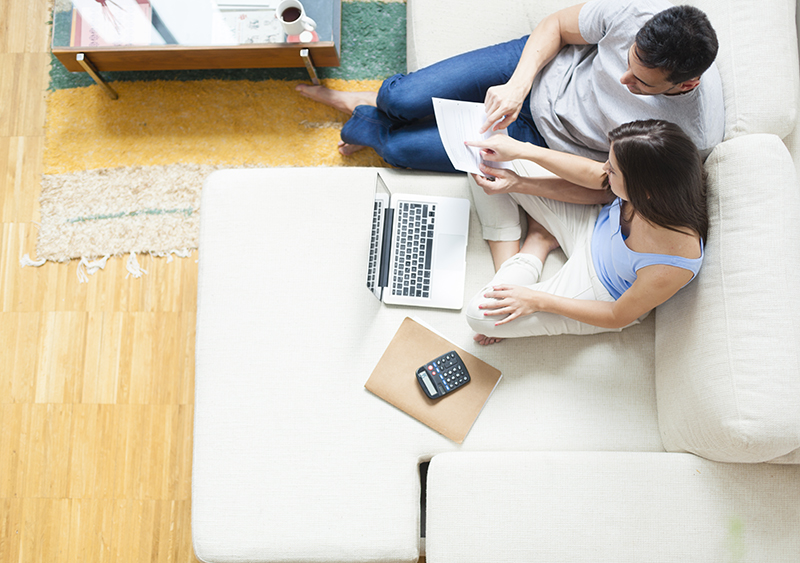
<point x="418" y="249"/>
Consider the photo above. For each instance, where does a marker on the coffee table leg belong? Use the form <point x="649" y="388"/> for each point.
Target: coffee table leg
<point x="92" y="71"/>
<point x="306" y="56"/>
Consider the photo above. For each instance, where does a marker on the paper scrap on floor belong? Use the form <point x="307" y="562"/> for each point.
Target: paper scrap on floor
<point x="461" y="121"/>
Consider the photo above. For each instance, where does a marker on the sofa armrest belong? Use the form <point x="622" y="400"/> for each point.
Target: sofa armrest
<point x="727" y="366"/>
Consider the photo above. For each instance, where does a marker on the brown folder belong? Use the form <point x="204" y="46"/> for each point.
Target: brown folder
<point x="394" y="380"/>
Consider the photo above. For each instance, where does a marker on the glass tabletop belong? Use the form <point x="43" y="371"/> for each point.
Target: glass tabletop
<point x="128" y="23"/>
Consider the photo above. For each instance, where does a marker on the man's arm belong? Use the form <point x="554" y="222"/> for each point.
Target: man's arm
<point x="547" y="39"/>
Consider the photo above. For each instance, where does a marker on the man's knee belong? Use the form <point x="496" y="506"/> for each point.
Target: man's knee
<point x="400" y="155"/>
<point x="403" y="152"/>
<point x="402" y="101"/>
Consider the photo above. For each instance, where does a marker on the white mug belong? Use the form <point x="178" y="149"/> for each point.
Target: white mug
<point x="293" y="18"/>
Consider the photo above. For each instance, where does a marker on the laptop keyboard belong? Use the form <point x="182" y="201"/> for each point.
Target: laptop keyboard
<point x="413" y="249"/>
<point x="372" y="269"/>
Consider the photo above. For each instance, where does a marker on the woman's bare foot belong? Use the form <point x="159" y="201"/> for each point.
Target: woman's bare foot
<point x="484" y="340"/>
<point x="345" y="102"/>
<point x="346" y="149"/>
<point x="539" y="242"/>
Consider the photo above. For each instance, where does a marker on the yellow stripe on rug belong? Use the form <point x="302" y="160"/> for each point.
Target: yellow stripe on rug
<point x="209" y="122"/>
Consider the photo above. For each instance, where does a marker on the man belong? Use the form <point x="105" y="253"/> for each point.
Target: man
<point x="582" y="72"/>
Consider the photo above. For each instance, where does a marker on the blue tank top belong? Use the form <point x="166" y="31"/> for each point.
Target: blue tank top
<point x="616" y="264"/>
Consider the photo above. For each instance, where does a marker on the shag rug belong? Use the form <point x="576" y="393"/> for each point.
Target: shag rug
<point x="125" y="176"/>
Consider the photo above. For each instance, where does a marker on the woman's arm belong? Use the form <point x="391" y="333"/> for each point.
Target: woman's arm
<point x="507" y="181"/>
<point x="571" y="167"/>
<point x="547" y="39"/>
<point x="653" y="286"/>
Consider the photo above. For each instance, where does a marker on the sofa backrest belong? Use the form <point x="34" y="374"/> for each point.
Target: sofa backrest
<point x="758" y="57"/>
<point x="757" y="62"/>
<point x="728" y="344"/>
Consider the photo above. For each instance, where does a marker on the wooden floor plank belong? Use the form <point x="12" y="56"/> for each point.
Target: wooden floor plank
<point x="20" y="175"/>
<point x="28" y="29"/>
<point x="42" y="470"/>
<point x="23" y="87"/>
<point x="19" y="337"/>
<point x="91" y="530"/>
<point x="44" y="530"/>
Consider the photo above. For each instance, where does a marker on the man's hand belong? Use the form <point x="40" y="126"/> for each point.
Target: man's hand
<point x="503" y="181"/>
<point x="503" y="102"/>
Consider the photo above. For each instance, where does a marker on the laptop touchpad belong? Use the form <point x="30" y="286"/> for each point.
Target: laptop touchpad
<point x="450" y="251"/>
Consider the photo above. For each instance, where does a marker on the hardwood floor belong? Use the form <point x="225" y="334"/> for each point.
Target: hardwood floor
<point x="96" y="379"/>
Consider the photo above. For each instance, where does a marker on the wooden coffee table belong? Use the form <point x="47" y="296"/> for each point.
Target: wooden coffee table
<point x="124" y="35"/>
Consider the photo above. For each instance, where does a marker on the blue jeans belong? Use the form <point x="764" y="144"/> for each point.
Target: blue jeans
<point x="402" y="129"/>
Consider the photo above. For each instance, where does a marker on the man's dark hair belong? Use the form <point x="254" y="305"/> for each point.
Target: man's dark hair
<point x="679" y="40"/>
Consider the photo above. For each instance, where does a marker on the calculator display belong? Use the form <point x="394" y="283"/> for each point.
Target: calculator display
<point x="429" y="385"/>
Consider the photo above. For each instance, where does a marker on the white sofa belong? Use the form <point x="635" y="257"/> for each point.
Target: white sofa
<point x="674" y="440"/>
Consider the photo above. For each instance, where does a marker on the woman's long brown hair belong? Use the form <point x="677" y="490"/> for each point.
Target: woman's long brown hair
<point x="663" y="174"/>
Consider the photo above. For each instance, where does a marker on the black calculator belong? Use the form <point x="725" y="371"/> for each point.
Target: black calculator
<point x="442" y="375"/>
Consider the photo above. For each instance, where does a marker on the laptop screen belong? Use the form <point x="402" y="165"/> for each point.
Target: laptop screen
<point x="378" y="255"/>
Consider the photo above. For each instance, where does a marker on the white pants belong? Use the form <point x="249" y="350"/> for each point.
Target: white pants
<point x="572" y="225"/>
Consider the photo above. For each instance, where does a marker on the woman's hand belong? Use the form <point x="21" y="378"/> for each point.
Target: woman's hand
<point x="498" y="148"/>
<point x="512" y="300"/>
<point x="503" y="102"/>
<point x="503" y="181"/>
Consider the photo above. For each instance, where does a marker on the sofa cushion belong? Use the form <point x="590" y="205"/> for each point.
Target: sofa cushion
<point x="438" y="30"/>
<point x="757" y="60"/>
<point x="727" y="345"/>
<point x="757" y="47"/>
<point x="792" y="142"/>
<point x="609" y="507"/>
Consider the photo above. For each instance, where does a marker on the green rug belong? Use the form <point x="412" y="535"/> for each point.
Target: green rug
<point x="101" y="191"/>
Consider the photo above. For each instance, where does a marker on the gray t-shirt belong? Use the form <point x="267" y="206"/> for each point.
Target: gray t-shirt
<point x="578" y="98"/>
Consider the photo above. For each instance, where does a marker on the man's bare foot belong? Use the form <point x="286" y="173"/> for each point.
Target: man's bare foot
<point x="345" y="102"/>
<point x="539" y="242"/>
<point x="484" y="340"/>
<point x="346" y="149"/>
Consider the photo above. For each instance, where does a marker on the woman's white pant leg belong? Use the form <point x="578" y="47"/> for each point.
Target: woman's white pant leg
<point x="576" y="280"/>
<point x="499" y="214"/>
<point x="520" y="269"/>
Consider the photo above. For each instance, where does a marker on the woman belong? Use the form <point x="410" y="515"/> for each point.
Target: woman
<point x="624" y="258"/>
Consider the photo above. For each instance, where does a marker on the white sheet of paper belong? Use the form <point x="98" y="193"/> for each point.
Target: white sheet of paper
<point x="458" y="122"/>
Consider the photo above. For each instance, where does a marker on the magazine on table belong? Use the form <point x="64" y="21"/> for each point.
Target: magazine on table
<point x="113" y="24"/>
